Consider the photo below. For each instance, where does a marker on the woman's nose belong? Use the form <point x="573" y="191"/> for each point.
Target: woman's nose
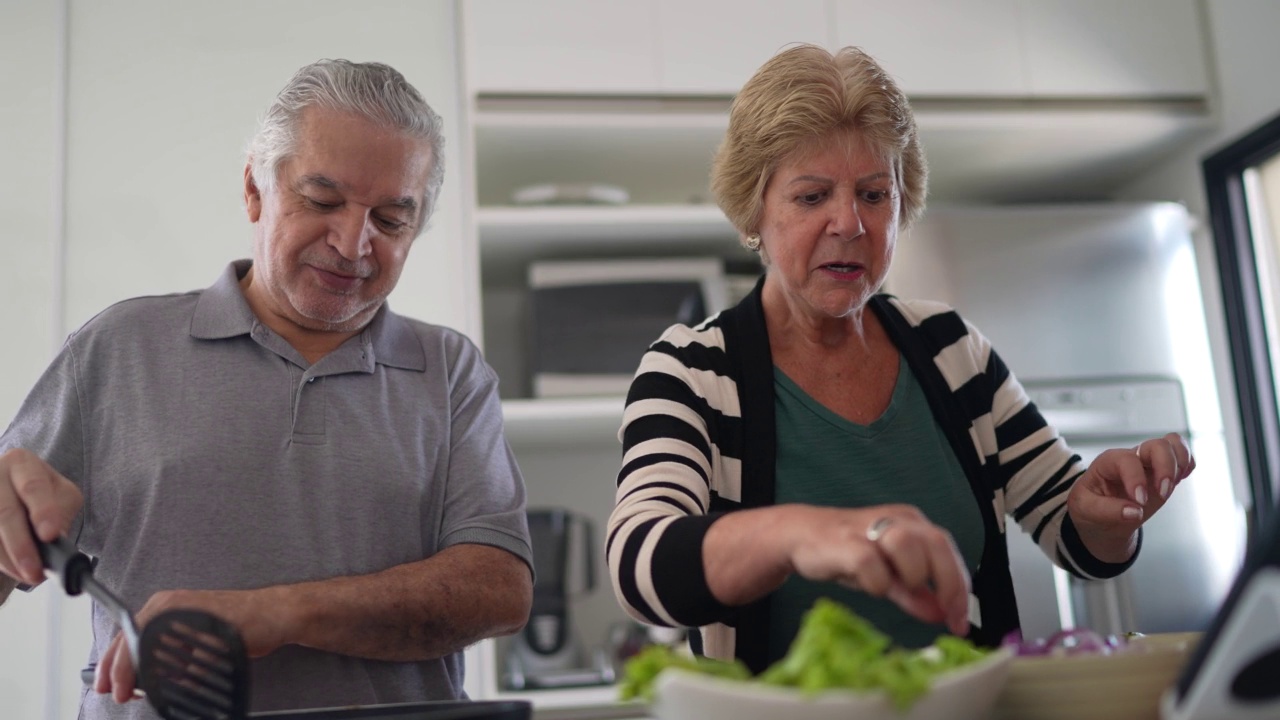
<point x="847" y="222"/>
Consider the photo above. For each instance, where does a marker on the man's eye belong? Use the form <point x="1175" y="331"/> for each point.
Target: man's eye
<point x="321" y="205"/>
<point x="390" y="225"/>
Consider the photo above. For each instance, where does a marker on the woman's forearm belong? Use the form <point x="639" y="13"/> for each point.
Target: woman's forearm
<point x="1109" y="547"/>
<point x="746" y="553"/>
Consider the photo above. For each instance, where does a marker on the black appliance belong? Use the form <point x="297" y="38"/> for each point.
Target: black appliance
<point x="546" y="653"/>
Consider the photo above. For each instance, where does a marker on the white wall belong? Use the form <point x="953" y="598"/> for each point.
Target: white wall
<point x="162" y="98"/>
<point x="1243" y="44"/>
<point x="29" y="59"/>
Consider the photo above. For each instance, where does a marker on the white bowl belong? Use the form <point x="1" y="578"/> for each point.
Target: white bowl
<point x="967" y="693"/>
<point x="1123" y="686"/>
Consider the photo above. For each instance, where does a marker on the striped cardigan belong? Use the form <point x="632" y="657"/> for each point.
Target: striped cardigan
<point x="699" y="440"/>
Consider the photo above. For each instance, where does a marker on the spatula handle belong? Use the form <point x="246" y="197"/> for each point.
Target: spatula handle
<point x="63" y="559"/>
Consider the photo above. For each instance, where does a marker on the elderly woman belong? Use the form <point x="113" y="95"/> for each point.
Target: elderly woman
<point x="824" y="439"/>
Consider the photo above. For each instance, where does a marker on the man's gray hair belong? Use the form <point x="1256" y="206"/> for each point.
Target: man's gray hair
<point x="372" y="90"/>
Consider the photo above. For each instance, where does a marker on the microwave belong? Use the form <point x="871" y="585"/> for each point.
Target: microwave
<point x="590" y="321"/>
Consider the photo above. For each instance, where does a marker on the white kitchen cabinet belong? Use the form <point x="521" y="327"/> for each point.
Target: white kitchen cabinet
<point x="713" y="46"/>
<point x="970" y="49"/>
<point x="562" y="46"/>
<point x="641" y="47"/>
<point x="978" y="49"/>
<point x="1076" y="49"/>
<point x="1114" y="48"/>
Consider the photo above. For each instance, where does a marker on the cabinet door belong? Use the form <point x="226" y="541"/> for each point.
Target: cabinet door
<point x="1103" y="48"/>
<point x="712" y="47"/>
<point x="939" y="49"/>
<point x="562" y="46"/>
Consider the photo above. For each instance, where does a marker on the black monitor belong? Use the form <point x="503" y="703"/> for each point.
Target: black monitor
<point x="1234" y="672"/>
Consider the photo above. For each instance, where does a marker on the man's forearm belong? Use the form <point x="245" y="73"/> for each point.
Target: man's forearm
<point x="412" y="612"/>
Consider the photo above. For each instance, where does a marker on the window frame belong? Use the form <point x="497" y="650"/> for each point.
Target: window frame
<point x="1251" y="363"/>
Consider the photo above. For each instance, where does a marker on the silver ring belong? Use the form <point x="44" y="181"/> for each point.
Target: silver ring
<point x="878" y="528"/>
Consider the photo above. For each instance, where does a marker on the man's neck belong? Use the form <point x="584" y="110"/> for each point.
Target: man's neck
<point x="311" y="344"/>
<point x="314" y="345"/>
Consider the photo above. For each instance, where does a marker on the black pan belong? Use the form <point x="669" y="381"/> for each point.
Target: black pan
<point x="443" y="710"/>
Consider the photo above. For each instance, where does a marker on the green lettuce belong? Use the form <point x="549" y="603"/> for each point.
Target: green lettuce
<point x="643" y="668"/>
<point x="834" y="649"/>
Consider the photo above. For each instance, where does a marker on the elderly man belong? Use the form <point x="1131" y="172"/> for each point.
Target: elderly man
<point x="281" y="449"/>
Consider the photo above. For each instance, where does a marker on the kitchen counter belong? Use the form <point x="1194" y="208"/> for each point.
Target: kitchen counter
<point x="615" y="711"/>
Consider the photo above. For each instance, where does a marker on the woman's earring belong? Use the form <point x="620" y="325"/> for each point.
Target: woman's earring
<point x="753" y="242"/>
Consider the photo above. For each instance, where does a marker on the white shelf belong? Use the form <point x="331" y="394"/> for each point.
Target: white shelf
<point x="511" y="237"/>
<point x="562" y="420"/>
<point x="987" y="150"/>
<point x="659" y="152"/>
<point x="510" y="228"/>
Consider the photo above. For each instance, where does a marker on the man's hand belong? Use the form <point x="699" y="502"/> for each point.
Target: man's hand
<point x="32" y="495"/>
<point x="407" y="613"/>
<point x="255" y="614"/>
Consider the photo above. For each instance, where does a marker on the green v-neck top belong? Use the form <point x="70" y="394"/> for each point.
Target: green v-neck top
<point x="901" y="457"/>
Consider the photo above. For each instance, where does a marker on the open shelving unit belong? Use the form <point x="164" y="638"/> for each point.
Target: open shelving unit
<point x="660" y="152"/>
<point x="511" y="237"/>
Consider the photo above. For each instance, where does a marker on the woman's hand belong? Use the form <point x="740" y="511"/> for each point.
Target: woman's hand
<point x="1122" y="489"/>
<point x="890" y="551"/>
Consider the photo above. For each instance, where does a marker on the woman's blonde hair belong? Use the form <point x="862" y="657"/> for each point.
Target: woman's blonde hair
<point x="804" y="93"/>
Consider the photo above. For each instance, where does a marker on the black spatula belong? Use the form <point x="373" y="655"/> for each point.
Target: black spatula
<point x="191" y="664"/>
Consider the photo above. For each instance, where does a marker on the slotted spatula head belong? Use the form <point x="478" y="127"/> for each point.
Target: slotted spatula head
<point x="193" y="666"/>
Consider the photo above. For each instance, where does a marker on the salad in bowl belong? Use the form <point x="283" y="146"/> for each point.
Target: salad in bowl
<point x="838" y="667"/>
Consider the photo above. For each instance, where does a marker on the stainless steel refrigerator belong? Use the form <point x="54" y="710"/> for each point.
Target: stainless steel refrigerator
<point x="1097" y="310"/>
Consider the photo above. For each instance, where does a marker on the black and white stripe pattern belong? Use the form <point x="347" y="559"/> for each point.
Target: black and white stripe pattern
<point x="684" y="444"/>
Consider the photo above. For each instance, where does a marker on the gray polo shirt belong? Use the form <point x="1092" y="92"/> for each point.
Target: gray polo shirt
<point x="212" y="456"/>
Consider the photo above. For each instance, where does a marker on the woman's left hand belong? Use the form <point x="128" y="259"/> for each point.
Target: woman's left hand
<point x="1122" y="489"/>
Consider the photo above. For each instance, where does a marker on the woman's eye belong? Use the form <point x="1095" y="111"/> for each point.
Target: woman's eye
<point x="812" y="198"/>
<point x="875" y="196"/>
